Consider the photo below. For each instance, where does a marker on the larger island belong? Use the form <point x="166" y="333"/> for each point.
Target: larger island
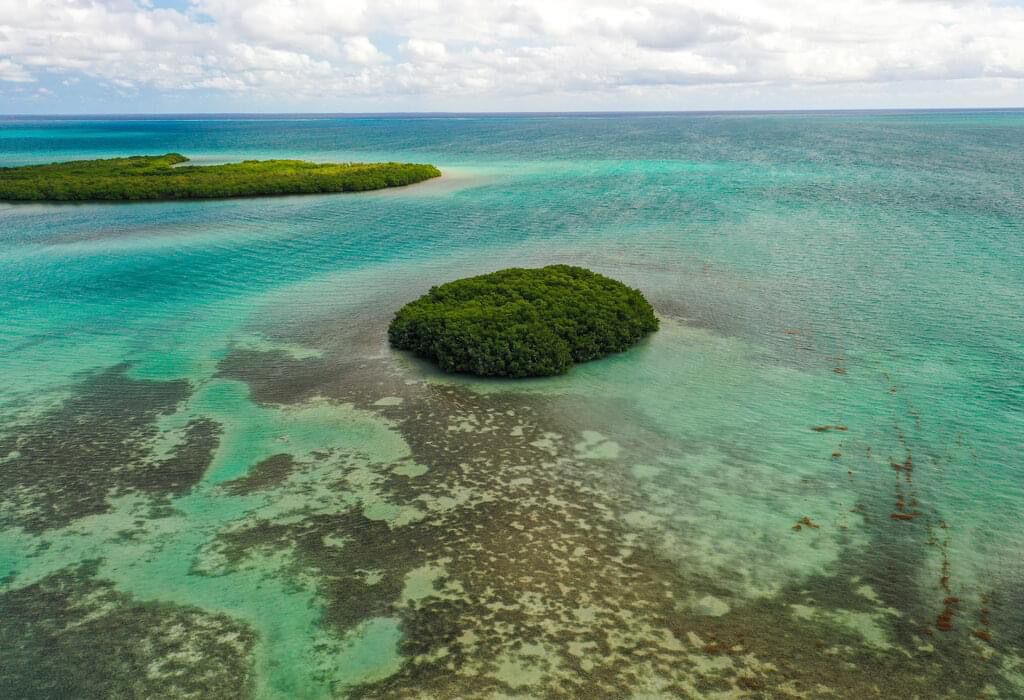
<point x="163" y="177"/>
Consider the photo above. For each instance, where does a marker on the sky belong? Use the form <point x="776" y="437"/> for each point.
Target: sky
<point x="174" y="56"/>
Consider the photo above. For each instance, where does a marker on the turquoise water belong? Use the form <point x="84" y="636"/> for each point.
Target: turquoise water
<point x="218" y="481"/>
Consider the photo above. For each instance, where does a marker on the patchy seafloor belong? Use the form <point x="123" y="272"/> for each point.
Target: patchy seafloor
<point x="218" y="482"/>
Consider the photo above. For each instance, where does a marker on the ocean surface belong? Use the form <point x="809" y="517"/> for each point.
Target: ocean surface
<point x="216" y="479"/>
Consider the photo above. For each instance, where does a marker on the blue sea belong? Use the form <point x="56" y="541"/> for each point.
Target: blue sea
<point x="217" y="480"/>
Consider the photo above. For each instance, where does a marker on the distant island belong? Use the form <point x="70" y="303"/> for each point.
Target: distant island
<point x="139" y="178"/>
<point x="523" y="322"/>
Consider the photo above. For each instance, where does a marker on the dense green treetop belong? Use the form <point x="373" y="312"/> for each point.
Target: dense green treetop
<point x="523" y="322"/>
<point x="157" y="177"/>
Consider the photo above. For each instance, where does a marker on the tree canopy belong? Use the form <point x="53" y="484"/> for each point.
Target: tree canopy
<point x="523" y="322"/>
<point x="162" y="177"/>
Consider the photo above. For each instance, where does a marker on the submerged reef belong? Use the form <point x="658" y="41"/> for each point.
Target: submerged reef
<point x="159" y="178"/>
<point x="524" y="560"/>
<point x="523" y="322"/>
<point x="68" y="462"/>
<point x="361" y="535"/>
<point x="74" y="635"/>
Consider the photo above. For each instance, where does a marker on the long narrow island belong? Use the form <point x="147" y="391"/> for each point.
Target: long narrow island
<point x="163" y="177"/>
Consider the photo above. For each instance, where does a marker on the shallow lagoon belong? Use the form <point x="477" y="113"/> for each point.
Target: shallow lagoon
<point x="220" y="482"/>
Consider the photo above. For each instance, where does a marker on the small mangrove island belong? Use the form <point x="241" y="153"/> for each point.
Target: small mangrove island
<point x="163" y="177"/>
<point x="523" y="322"/>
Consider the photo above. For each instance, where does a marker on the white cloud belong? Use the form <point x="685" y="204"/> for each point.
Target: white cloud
<point x="359" y="49"/>
<point x="424" y="50"/>
<point x="479" y="53"/>
<point x="13" y="72"/>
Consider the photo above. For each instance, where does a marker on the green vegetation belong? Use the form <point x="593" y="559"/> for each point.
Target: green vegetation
<point x="155" y="177"/>
<point x="523" y="322"/>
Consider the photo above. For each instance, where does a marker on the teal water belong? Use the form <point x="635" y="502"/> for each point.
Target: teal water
<point x="218" y="481"/>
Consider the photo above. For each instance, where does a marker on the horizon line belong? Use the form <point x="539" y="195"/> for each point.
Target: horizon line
<point x="523" y="113"/>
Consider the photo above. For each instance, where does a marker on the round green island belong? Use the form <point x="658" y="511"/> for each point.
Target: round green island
<point x="523" y="322"/>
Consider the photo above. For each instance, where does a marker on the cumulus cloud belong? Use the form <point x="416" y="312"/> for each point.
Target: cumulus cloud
<point x="359" y="49"/>
<point x="425" y="51"/>
<point x="475" y="51"/>
<point x="14" y="73"/>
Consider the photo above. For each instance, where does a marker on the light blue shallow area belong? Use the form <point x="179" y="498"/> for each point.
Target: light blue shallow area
<point x="854" y="270"/>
